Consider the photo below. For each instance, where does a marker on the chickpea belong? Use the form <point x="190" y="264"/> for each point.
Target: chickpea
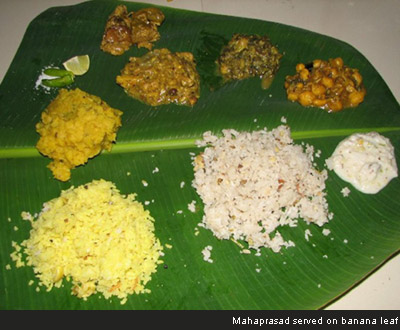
<point x="335" y="105"/>
<point x="356" y="98"/>
<point x="317" y="63"/>
<point x="300" y="67"/>
<point x="304" y="74"/>
<point x="334" y="73"/>
<point x="327" y="82"/>
<point x="293" y="96"/>
<point x="319" y="102"/>
<point x="338" y="62"/>
<point x="306" y="98"/>
<point x="318" y="89"/>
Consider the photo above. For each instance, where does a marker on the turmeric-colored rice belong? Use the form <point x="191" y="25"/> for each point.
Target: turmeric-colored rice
<point x="95" y="237"/>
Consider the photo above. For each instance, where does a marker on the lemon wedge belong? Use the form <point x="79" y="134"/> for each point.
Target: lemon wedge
<point x="78" y="65"/>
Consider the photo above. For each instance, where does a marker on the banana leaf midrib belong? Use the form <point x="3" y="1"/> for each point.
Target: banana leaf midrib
<point x="187" y="143"/>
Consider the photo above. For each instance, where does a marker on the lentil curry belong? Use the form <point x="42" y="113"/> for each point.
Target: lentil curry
<point x="161" y="77"/>
<point x="74" y="127"/>
<point x="326" y="84"/>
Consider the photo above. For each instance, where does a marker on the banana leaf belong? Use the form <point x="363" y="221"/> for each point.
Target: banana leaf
<point x="365" y="229"/>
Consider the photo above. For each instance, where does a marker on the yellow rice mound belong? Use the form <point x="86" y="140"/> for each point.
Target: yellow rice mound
<point x="74" y="127"/>
<point x="95" y="237"/>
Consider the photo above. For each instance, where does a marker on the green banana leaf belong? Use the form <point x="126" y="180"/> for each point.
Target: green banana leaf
<point x="365" y="230"/>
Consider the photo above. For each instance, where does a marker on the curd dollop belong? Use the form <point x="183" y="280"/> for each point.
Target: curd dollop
<point x="366" y="160"/>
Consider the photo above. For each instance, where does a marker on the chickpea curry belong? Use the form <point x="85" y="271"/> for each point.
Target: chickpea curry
<point x="162" y="77"/>
<point x="328" y="85"/>
<point x="125" y="29"/>
<point x="248" y="56"/>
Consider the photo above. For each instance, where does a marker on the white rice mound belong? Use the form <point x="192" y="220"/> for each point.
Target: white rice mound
<point x="253" y="183"/>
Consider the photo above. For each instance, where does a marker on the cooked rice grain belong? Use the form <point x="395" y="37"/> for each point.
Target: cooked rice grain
<point x="101" y="240"/>
<point x="253" y="183"/>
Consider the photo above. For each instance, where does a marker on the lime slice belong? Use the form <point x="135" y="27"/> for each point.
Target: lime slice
<point x="78" y="65"/>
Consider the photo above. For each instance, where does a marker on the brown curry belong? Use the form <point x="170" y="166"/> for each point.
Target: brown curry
<point x="125" y="29"/>
<point x="162" y="77"/>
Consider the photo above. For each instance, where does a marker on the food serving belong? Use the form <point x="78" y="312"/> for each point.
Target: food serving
<point x="96" y="238"/>
<point x="75" y="127"/>
<point x="329" y="85"/>
<point x="125" y="29"/>
<point x="366" y="160"/>
<point x="145" y="23"/>
<point x="251" y="183"/>
<point x="162" y="77"/>
<point x="248" y="56"/>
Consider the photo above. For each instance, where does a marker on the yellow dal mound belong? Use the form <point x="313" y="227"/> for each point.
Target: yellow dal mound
<point x="101" y="240"/>
<point x="76" y="126"/>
